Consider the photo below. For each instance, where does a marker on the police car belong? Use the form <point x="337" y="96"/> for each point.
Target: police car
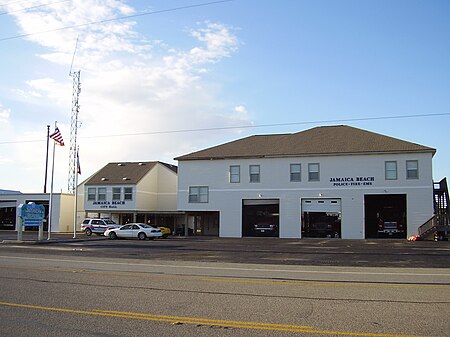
<point x="97" y="226"/>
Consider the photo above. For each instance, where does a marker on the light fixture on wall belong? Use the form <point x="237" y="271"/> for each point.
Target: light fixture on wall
<point x="259" y="195"/>
<point x="320" y="194"/>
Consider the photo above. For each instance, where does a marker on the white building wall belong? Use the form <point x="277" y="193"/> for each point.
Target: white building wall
<point x="62" y="207"/>
<point x="227" y="197"/>
<point x="167" y="189"/>
<point x="146" y="192"/>
<point x="109" y="205"/>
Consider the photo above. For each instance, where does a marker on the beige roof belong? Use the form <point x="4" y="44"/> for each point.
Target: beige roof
<point x="325" y="140"/>
<point x="124" y="173"/>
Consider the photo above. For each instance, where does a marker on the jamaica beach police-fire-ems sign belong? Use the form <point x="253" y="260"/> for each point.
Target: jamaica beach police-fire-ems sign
<point x="31" y="215"/>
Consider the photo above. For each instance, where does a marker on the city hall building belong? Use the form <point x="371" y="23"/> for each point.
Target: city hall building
<point x="334" y="181"/>
<point x="131" y="192"/>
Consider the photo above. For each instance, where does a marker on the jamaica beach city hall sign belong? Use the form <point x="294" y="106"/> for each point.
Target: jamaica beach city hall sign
<point x="351" y="181"/>
<point x="31" y="214"/>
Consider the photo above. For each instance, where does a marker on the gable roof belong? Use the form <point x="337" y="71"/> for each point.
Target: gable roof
<point x="325" y="140"/>
<point x="124" y="173"/>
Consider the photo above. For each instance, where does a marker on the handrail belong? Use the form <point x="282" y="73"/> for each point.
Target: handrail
<point x="428" y="225"/>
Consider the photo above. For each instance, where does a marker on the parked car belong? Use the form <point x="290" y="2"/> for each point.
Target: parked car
<point x="139" y="231"/>
<point x="97" y="226"/>
<point x="166" y="231"/>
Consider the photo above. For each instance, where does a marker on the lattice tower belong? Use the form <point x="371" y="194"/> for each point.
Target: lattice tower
<point x="73" y="132"/>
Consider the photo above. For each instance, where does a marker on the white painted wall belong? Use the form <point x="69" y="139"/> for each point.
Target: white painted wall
<point x="62" y="208"/>
<point x="227" y="197"/>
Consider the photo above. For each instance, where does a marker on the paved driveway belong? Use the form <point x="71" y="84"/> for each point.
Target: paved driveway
<point x="329" y="252"/>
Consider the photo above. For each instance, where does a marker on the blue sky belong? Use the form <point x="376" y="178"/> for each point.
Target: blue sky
<point x="235" y="63"/>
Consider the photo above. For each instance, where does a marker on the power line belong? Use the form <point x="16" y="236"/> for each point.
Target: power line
<point x="117" y="19"/>
<point x="149" y="133"/>
<point x="33" y="7"/>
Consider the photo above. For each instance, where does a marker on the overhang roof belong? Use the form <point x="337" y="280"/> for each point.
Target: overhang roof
<point x="325" y="140"/>
<point x="124" y="173"/>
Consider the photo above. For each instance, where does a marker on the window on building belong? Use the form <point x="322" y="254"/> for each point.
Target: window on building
<point x="313" y="172"/>
<point x="101" y="193"/>
<point x="235" y="174"/>
<point x="254" y="173"/>
<point x="198" y="194"/>
<point x="128" y="193"/>
<point x="390" y="170"/>
<point x="116" y="193"/>
<point x="296" y="172"/>
<point x="412" y="169"/>
<point x="91" y="193"/>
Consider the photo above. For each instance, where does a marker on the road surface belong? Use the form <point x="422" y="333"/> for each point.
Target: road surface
<point x="49" y="294"/>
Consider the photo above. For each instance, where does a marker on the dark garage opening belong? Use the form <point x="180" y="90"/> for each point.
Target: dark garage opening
<point x="385" y="216"/>
<point x="8" y="218"/>
<point x="321" y="225"/>
<point x="260" y="217"/>
<point x="321" y="218"/>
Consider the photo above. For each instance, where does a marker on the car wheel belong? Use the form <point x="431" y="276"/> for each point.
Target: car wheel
<point x="112" y="235"/>
<point x="165" y="236"/>
<point x="88" y="232"/>
<point x="142" y="236"/>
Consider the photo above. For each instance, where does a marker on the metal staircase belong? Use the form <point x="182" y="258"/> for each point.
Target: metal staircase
<point x="438" y="227"/>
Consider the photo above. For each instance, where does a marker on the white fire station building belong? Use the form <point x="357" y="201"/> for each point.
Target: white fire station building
<point x="334" y="181"/>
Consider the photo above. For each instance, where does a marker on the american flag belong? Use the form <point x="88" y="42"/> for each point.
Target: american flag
<point x="57" y="137"/>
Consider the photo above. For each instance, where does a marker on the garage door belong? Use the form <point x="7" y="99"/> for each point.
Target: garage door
<point x="321" y="205"/>
<point x="248" y="202"/>
<point x="4" y="204"/>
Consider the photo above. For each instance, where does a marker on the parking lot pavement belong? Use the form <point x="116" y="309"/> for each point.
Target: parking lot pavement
<point x="329" y="252"/>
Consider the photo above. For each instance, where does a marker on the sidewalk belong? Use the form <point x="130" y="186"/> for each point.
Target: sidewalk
<point x="28" y="237"/>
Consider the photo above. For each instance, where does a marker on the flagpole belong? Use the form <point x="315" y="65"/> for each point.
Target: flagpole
<point x="51" y="193"/>
<point x="76" y="194"/>
<point x="46" y="159"/>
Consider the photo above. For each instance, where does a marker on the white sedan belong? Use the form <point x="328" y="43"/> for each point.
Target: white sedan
<point x="134" y="230"/>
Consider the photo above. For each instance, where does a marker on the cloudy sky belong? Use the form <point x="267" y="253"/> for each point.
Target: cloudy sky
<point x="160" y="79"/>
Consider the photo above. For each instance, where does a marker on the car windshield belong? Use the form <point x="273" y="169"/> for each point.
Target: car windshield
<point x="110" y="222"/>
<point x="145" y="226"/>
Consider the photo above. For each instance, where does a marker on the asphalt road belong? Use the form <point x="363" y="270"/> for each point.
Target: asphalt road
<point x="52" y="294"/>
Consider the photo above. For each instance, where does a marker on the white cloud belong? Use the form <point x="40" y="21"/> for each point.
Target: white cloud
<point x="129" y="86"/>
<point x="4" y="114"/>
<point x="240" y="109"/>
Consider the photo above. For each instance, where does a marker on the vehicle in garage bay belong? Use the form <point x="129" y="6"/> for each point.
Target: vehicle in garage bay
<point x="265" y="228"/>
<point x="139" y="231"/>
<point x="391" y="221"/>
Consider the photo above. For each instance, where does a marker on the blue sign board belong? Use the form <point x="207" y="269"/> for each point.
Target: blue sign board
<point x="31" y="214"/>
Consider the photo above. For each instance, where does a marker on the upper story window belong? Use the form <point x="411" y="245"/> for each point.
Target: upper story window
<point x="296" y="172"/>
<point x="101" y="193"/>
<point x="128" y="193"/>
<point x="198" y="194"/>
<point x="390" y="168"/>
<point x="313" y="172"/>
<point x="92" y="191"/>
<point x="254" y="173"/>
<point x="116" y="193"/>
<point x="412" y="169"/>
<point x="235" y="174"/>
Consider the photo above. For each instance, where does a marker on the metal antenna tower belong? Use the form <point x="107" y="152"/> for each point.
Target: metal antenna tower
<point x="73" y="160"/>
<point x="73" y="132"/>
